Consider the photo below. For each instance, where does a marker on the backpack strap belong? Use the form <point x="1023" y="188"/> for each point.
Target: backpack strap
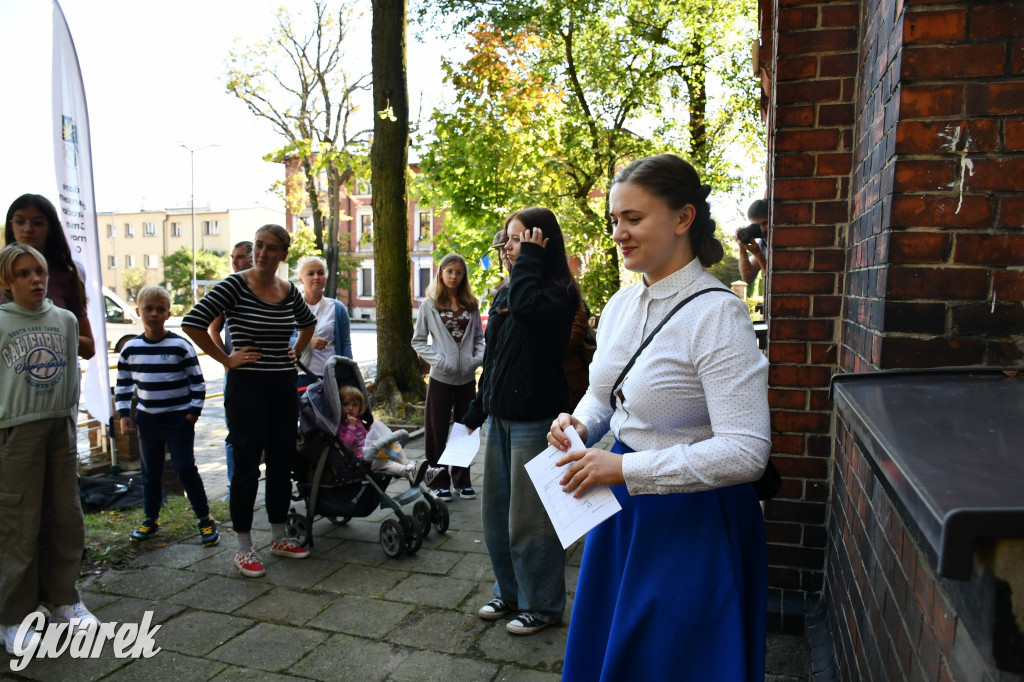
<point x="629" y="365"/>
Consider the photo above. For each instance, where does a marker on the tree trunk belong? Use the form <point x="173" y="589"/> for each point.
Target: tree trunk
<point x="389" y="154"/>
<point x="333" y="223"/>
<point x="309" y="178"/>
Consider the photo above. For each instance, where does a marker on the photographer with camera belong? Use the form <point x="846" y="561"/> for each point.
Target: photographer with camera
<point x="752" y="241"/>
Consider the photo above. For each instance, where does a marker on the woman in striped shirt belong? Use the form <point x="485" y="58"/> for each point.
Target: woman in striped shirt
<point x="260" y="401"/>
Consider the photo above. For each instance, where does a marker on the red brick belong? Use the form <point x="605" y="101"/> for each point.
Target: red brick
<point x="925" y="176"/>
<point x="938" y="284"/>
<point x="795" y="512"/>
<point x="996" y="174"/>
<point x="925" y="137"/>
<point x="819" y="400"/>
<point x="796" y="68"/>
<point x="836" y="16"/>
<point x="942" y="211"/>
<point x="799" y="92"/>
<point x="829" y="260"/>
<point x="788" y="444"/>
<point x="795" y="116"/>
<point x="801" y="467"/>
<point x="905" y="352"/>
<point x="838" y="65"/>
<point x="797" y="18"/>
<point x="785" y="533"/>
<point x="953" y="61"/>
<point x="835" y="114"/>
<point x="834" y="164"/>
<point x="805" y="188"/>
<point x="1017" y="58"/>
<point x="1002" y="319"/>
<point x="786" y="329"/>
<point x="1004" y="353"/>
<point x="803" y="237"/>
<point x="935" y="27"/>
<point x="1013" y="136"/>
<point x="819" y="139"/>
<point x="930" y="101"/>
<point x="819" y="446"/>
<point x="918" y="247"/>
<point x="827" y="306"/>
<point x="809" y="42"/>
<point x="831" y="212"/>
<point x="787" y="352"/>
<point x="790" y="306"/>
<point x="913" y="317"/>
<point x="997" y="21"/>
<point x="823" y="354"/>
<point x="793" y="165"/>
<point x="1008" y="285"/>
<point x="1011" y="211"/>
<point x="798" y="375"/>
<point x="989" y="249"/>
<point x="791" y="213"/>
<point x="804" y="283"/>
<point x="779" y="398"/>
<point x="996" y="98"/>
<point x="790" y="260"/>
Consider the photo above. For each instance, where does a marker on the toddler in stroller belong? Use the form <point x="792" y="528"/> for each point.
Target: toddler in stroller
<point x="347" y="459"/>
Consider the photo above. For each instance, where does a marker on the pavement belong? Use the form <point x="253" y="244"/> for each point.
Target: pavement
<point x="346" y="613"/>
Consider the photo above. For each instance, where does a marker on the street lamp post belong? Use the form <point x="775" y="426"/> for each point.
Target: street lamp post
<point x="192" y="202"/>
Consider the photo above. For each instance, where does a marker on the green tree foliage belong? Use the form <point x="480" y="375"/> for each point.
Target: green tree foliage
<point x="295" y="80"/>
<point x="134" y="278"/>
<point x="304" y="244"/>
<point x="178" y="271"/>
<point x="557" y="95"/>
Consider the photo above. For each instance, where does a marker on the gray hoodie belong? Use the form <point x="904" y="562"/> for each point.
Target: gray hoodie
<point x="449" y="362"/>
<point x="39" y="376"/>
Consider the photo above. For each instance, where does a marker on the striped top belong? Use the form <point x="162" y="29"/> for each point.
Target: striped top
<point x="254" y="322"/>
<point x="166" y="374"/>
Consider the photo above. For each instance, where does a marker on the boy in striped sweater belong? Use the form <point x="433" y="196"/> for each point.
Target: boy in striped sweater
<point x="163" y="368"/>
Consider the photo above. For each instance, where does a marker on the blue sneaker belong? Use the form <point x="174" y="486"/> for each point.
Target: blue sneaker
<point x="148" y="529"/>
<point x="208" y="533"/>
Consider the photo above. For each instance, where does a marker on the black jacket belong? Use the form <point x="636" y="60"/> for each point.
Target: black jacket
<point x="528" y="331"/>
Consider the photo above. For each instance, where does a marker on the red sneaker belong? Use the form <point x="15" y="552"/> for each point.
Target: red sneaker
<point x="249" y="563"/>
<point x="289" y="548"/>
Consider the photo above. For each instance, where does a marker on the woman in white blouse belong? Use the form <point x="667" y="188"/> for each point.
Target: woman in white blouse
<point x="673" y="586"/>
<point x="332" y="335"/>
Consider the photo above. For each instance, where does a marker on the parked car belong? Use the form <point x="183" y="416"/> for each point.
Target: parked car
<point x="123" y="324"/>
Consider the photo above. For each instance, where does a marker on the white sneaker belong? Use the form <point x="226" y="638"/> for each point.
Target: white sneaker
<point x="64" y="614"/>
<point x="16" y="647"/>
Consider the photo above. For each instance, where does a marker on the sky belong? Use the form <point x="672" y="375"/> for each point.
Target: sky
<point x="154" y="76"/>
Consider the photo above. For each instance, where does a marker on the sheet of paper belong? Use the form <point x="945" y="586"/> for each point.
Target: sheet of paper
<point x="572" y="517"/>
<point x="461" y="447"/>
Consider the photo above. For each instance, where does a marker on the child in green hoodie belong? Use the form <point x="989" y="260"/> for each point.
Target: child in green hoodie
<point x="41" y="526"/>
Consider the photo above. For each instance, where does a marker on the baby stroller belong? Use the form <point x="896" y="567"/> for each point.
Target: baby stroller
<point x="337" y="485"/>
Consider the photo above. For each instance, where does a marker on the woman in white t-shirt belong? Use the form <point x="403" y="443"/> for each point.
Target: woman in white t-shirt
<point x="332" y="335"/>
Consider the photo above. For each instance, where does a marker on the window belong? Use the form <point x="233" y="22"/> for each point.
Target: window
<point x="211" y="228"/>
<point x="111" y="231"/>
<point x="129" y="230"/>
<point x="129" y="261"/>
<point x="366" y="231"/>
<point x="424" y="282"/>
<point x="366" y="282"/>
<point x="175" y="229"/>
<point x="424" y="223"/>
<point x="148" y="229"/>
<point x="112" y="262"/>
<point x="151" y="261"/>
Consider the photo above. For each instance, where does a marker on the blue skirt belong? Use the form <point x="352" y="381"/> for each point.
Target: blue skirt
<point x="672" y="588"/>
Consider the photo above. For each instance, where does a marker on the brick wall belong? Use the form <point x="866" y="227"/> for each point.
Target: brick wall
<point x="810" y="125"/>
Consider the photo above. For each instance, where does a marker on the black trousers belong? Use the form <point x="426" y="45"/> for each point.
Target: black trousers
<point x="262" y="410"/>
<point x="443" y="402"/>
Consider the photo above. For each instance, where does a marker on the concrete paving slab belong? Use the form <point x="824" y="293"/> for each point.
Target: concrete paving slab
<point x="473" y="567"/>
<point x="221" y="564"/>
<point x="438" y="630"/>
<point x="197" y="633"/>
<point x="216" y="593"/>
<point x="430" y="590"/>
<point x="465" y="541"/>
<point x="429" y="560"/>
<point x="155" y="582"/>
<point x="350" y="659"/>
<point x="233" y="672"/>
<point x="362" y="616"/>
<point x="511" y="673"/>
<point x="283" y="605"/>
<point x="367" y="581"/>
<point x="300" y="573"/>
<point x="430" y="665"/>
<point x="94" y="600"/>
<point x="180" y="555"/>
<point x="356" y="529"/>
<point x="358" y="553"/>
<point x="131" y="610"/>
<point x="168" y="666"/>
<point x="65" y="668"/>
<point x="543" y="650"/>
<point x="269" y="647"/>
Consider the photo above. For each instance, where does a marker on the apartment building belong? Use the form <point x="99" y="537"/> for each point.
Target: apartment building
<point x="143" y="238"/>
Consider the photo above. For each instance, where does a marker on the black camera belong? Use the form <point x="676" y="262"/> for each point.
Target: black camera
<point x="748" y="234"/>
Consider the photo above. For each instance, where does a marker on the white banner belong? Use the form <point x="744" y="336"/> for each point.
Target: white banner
<point x="73" y="166"/>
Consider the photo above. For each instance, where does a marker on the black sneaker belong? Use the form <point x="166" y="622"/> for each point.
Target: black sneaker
<point x="444" y="494"/>
<point x="208" y="533"/>
<point x="467" y="493"/>
<point x="526" y="624"/>
<point x="148" y="529"/>
<point x="495" y="609"/>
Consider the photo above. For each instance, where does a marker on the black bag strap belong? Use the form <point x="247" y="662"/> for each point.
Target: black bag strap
<point x="647" y="341"/>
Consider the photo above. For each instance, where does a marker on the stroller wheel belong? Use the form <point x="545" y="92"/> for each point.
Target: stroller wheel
<point x="297" y="527"/>
<point x="421" y="512"/>
<point x="413" y="534"/>
<point x="439" y="516"/>
<point x="392" y="538"/>
<point x="339" y="520"/>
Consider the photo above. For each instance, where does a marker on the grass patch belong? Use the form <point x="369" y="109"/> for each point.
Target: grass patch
<point x="108" y="533"/>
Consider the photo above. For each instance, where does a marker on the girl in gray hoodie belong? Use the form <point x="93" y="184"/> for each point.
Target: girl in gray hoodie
<point x="449" y="337"/>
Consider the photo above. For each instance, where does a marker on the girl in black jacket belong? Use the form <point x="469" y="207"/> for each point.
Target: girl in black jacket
<point x="522" y="389"/>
